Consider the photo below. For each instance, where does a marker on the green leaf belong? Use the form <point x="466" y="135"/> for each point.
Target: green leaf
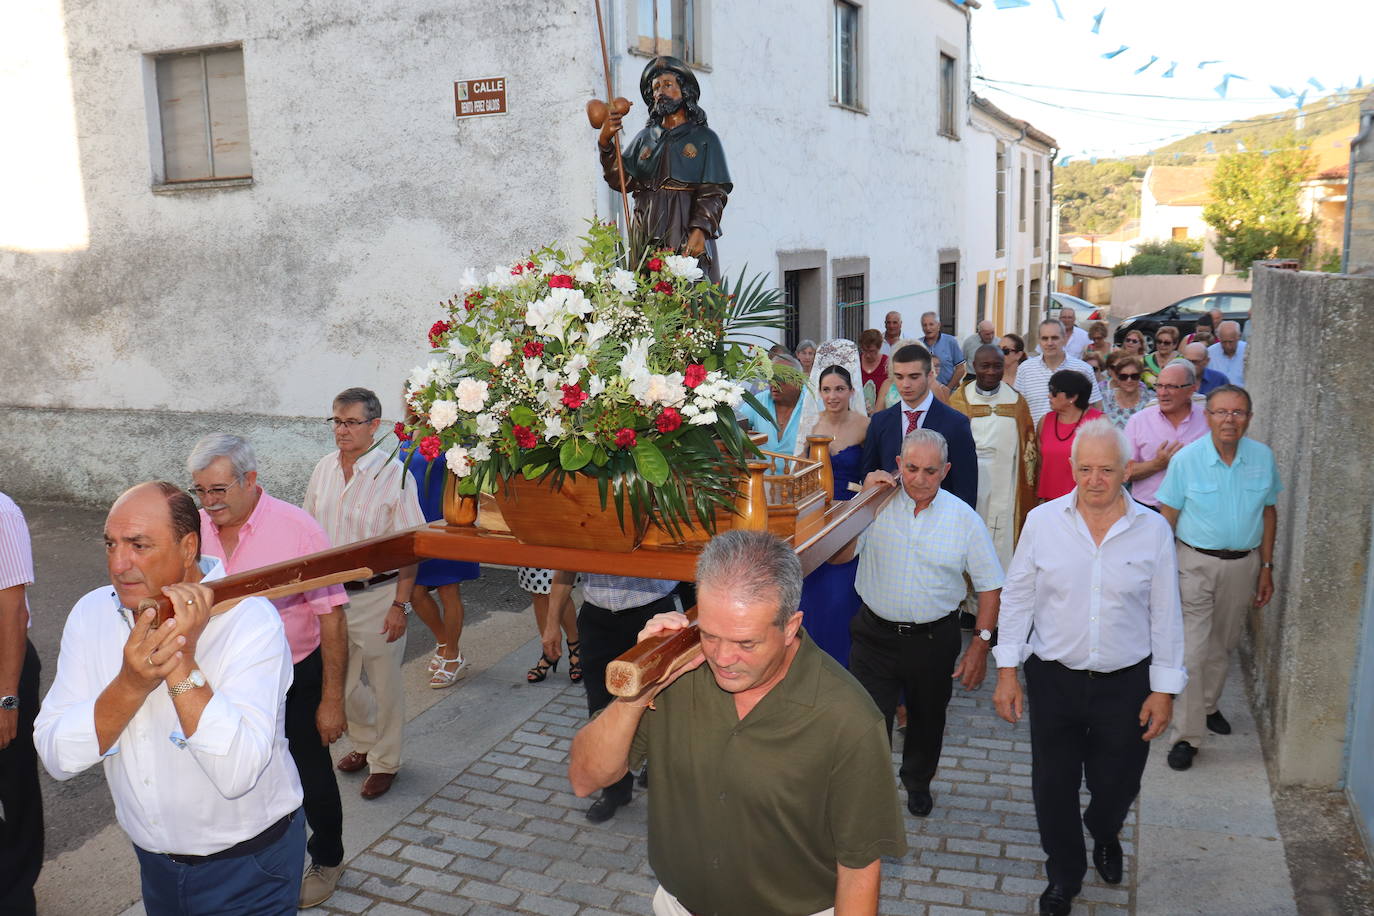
<point x="650" y="463"/>
<point x="575" y="454"/>
<point x="521" y="415"/>
<point x="534" y="471"/>
<point x="599" y="458"/>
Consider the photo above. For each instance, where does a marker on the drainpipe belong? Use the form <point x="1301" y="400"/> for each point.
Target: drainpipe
<point x="1366" y="123"/>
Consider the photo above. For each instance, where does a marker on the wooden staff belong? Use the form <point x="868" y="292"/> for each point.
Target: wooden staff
<point x="610" y="100"/>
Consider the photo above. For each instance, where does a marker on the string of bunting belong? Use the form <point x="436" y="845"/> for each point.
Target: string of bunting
<point x="919" y="292"/>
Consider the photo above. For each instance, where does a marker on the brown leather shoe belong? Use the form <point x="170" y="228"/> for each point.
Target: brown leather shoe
<point x="377" y="784"/>
<point x="352" y="762"/>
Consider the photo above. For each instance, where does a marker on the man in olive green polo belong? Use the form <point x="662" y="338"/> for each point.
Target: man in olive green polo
<point x="773" y="783"/>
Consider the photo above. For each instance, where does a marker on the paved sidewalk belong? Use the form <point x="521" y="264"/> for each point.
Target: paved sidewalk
<point x="483" y="821"/>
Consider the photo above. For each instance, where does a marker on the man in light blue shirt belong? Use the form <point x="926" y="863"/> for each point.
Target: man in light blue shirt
<point x="782" y="400"/>
<point x="1219" y="495"/>
<point x="943" y="346"/>
<point x="906" y="637"/>
<point x="1227" y="355"/>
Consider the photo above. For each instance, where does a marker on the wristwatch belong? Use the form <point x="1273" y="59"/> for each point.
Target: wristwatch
<point x="9" y="702"/>
<point x="1266" y="566"/>
<point x="984" y="635"/>
<point x="403" y="605"/>
<point x="193" y="680"/>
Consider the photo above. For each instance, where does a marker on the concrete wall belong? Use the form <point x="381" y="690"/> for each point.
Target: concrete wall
<point x="1359" y="212"/>
<point x="1313" y="412"/>
<point x="1132" y="295"/>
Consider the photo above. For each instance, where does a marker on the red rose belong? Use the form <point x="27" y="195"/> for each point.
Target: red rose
<point x="529" y="265"/>
<point x="534" y="348"/>
<point x="663" y="286"/>
<point x="668" y="421"/>
<point x="560" y="281"/>
<point x="524" y="436"/>
<point x="430" y="447"/>
<point x="625" y="438"/>
<point x="401" y="432"/>
<point x="573" y="396"/>
<point x="655" y="264"/>
<point x="472" y="300"/>
<point x="436" y="330"/>
<point x="694" y="376"/>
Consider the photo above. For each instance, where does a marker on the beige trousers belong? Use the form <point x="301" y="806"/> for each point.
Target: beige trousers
<point x="665" y="904"/>
<point x="1216" y="595"/>
<point x="375" y="710"/>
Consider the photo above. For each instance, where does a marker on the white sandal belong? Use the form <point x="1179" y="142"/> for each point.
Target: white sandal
<point x="435" y="659"/>
<point x="448" y="672"/>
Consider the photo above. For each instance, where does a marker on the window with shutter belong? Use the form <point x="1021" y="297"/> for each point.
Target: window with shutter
<point x="203" y="113"/>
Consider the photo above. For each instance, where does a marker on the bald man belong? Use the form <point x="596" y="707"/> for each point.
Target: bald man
<point x="982" y="336"/>
<point x="1208" y="379"/>
<point x="1227" y="355"/>
<point x="187" y="718"/>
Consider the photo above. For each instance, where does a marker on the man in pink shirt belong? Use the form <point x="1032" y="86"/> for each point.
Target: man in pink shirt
<point x="246" y="528"/>
<point x="1160" y="430"/>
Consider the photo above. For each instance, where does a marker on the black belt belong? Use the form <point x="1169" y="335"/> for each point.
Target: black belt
<point x="1221" y="554"/>
<point x="359" y="585"/>
<point x="908" y="629"/>
<point x="1095" y="675"/>
<point x="246" y="848"/>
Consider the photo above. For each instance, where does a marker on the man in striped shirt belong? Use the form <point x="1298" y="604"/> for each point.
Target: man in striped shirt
<point x="1033" y="378"/>
<point x="356" y="493"/>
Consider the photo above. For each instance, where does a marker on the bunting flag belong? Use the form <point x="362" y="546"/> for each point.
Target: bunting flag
<point x="1057" y="11"/>
<point x="1110" y="54"/>
<point x="1313" y="82"/>
<point x="1207" y="63"/>
<point x="1226" y="82"/>
<point x="1097" y="21"/>
<point x="1300" y="99"/>
<point x="1147" y="65"/>
<point x="1011" y="4"/>
<point x="1169" y="74"/>
<point x="1281" y="92"/>
<point x="1064" y="161"/>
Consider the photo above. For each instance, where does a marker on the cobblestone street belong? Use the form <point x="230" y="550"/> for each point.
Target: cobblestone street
<point x="507" y="835"/>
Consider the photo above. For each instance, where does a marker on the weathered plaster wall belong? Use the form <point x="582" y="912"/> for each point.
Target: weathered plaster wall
<point x="1360" y="207"/>
<point x="1312" y="390"/>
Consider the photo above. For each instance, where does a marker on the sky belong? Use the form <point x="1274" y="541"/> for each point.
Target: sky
<point x="1267" y="42"/>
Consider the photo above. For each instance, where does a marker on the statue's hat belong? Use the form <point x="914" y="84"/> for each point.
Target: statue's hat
<point x="685" y="77"/>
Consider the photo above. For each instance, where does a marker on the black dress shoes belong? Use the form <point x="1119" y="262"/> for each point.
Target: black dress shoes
<point x="1107" y="859"/>
<point x="1217" y="724"/>
<point x="1181" y="755"/>
<point x="1057" y="900"/>
<point x="614" y="796"/>
<point x="919" y="803"/>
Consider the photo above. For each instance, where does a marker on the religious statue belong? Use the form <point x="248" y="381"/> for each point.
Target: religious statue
<point x="675" y="166"/>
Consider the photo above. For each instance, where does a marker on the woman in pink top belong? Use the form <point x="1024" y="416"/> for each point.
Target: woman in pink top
<point x="1069" y="394"/>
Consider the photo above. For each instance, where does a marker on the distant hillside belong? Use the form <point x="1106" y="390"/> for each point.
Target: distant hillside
<point x="1098" y="197"/>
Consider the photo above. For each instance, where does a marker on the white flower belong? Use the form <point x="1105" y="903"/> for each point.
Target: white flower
<point x="571" y="301"/>
<point x="443" y="414"/>
<point x="584" y="273"/>
<point x="690" y="410"/>
<point x="597" y="330"/>
<point x="682" y="266"/>
<point x="657" y="389"/>
<point x="636" y="360"/>
<point x="534" y="368"/>
<point x="553" y="428"/>
<point x="426" y="375"/>
<point x="458" y="349"/>
<point x="499" y="350"/>
<point x="623" y="281"/>
<point x="574" y="366"/>
<point x="595" y="385"/>
<point x="487" y="425"/>
<point x="469" y="280"/>
<point x="457" y="460"/>
<point x="480" y="452"/>
<point x="547" y="316"/>
<point x="502" y="278"/>
<point x="472" y="395"/>
<point x="703" y="419"/>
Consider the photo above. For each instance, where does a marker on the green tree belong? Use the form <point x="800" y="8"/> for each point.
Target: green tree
<point x="1175" y="256"/>
<point x="1096" y="198"/>
<point x="1255" y="210"/>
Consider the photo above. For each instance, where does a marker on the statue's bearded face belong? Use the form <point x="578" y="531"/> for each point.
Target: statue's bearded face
<point x="667" y="94"/>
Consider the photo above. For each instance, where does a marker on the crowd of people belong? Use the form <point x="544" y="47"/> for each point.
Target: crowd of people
<point x="1104" y="532"/>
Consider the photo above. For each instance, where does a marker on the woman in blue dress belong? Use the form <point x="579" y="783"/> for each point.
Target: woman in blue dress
<point x="444" y="618"/>
<point x="835" y="407"/>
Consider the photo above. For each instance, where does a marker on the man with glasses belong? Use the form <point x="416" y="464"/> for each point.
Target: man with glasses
<point x="1033" y="378"/>
<point x="355" y="493"/>
<point x="247" y="528"/>
<point x="1219" y="495"/>
<point x="1160" y="430"/>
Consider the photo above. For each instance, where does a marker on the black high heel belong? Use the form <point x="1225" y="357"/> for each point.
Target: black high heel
<point x="541" y="670"/>
<point x="575" y="661"/>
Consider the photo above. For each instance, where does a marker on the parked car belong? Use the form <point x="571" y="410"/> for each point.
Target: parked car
<point x="1184" y="314"/>
<point x="1085" y="311"/>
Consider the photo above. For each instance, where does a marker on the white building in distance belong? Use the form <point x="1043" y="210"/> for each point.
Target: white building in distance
<point x="225" y="213"/>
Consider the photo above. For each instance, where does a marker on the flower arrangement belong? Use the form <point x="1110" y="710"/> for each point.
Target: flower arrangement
<point x="619" y="368"/>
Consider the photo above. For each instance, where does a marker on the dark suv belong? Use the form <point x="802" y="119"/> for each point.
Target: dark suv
<point x="1184" y="314"/>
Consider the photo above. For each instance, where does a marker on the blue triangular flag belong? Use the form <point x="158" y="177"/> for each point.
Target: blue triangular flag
<point x="1312" y="81"/>
<point x="1064" y="161"/>
<point x="1011" y="4"/>
<point x="1169" y="74"/>
<point x="1226" y="82"/>
<point x="1207" y="63"/>
<point x="1209" y="147"/>
<point x="1143" y="67"/>
<point x="1300" y="100"/>
<point x="1110" y="54"/>
<point x="1281" y="92"/>
<point x="1057" y="11"/>
<point x="1097" y="21"/>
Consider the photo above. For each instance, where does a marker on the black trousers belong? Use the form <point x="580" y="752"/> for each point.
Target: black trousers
<point x="323" y="810"/>
<point x="21" y="831"/>
<point x="1083" y="727"/>
<point x="920" y="665"/>
<point x="605" y="634"/>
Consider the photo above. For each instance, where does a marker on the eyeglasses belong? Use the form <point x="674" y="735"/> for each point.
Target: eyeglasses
<point x="1128" y="377"/>
<point x="1172" y="387"/>
<point x="1008" y="351"/>
<point x="1229" y="414"/>
<point x="212" y="493"/>
<point x="351" y="424"/>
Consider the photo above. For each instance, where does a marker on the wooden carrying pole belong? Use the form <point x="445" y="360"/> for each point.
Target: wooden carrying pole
<point x="610" y="98"/>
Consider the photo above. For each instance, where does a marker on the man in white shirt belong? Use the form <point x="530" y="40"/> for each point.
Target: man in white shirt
<point x="188" y="718"/>
<point x="355" y="493"/>
<point x="1076" y="339"/>
<point x="892" y="332"/>
<point x="1227" y="355"/>
<point x="1033" y="378"/>
<point x="1091" y="605"/>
